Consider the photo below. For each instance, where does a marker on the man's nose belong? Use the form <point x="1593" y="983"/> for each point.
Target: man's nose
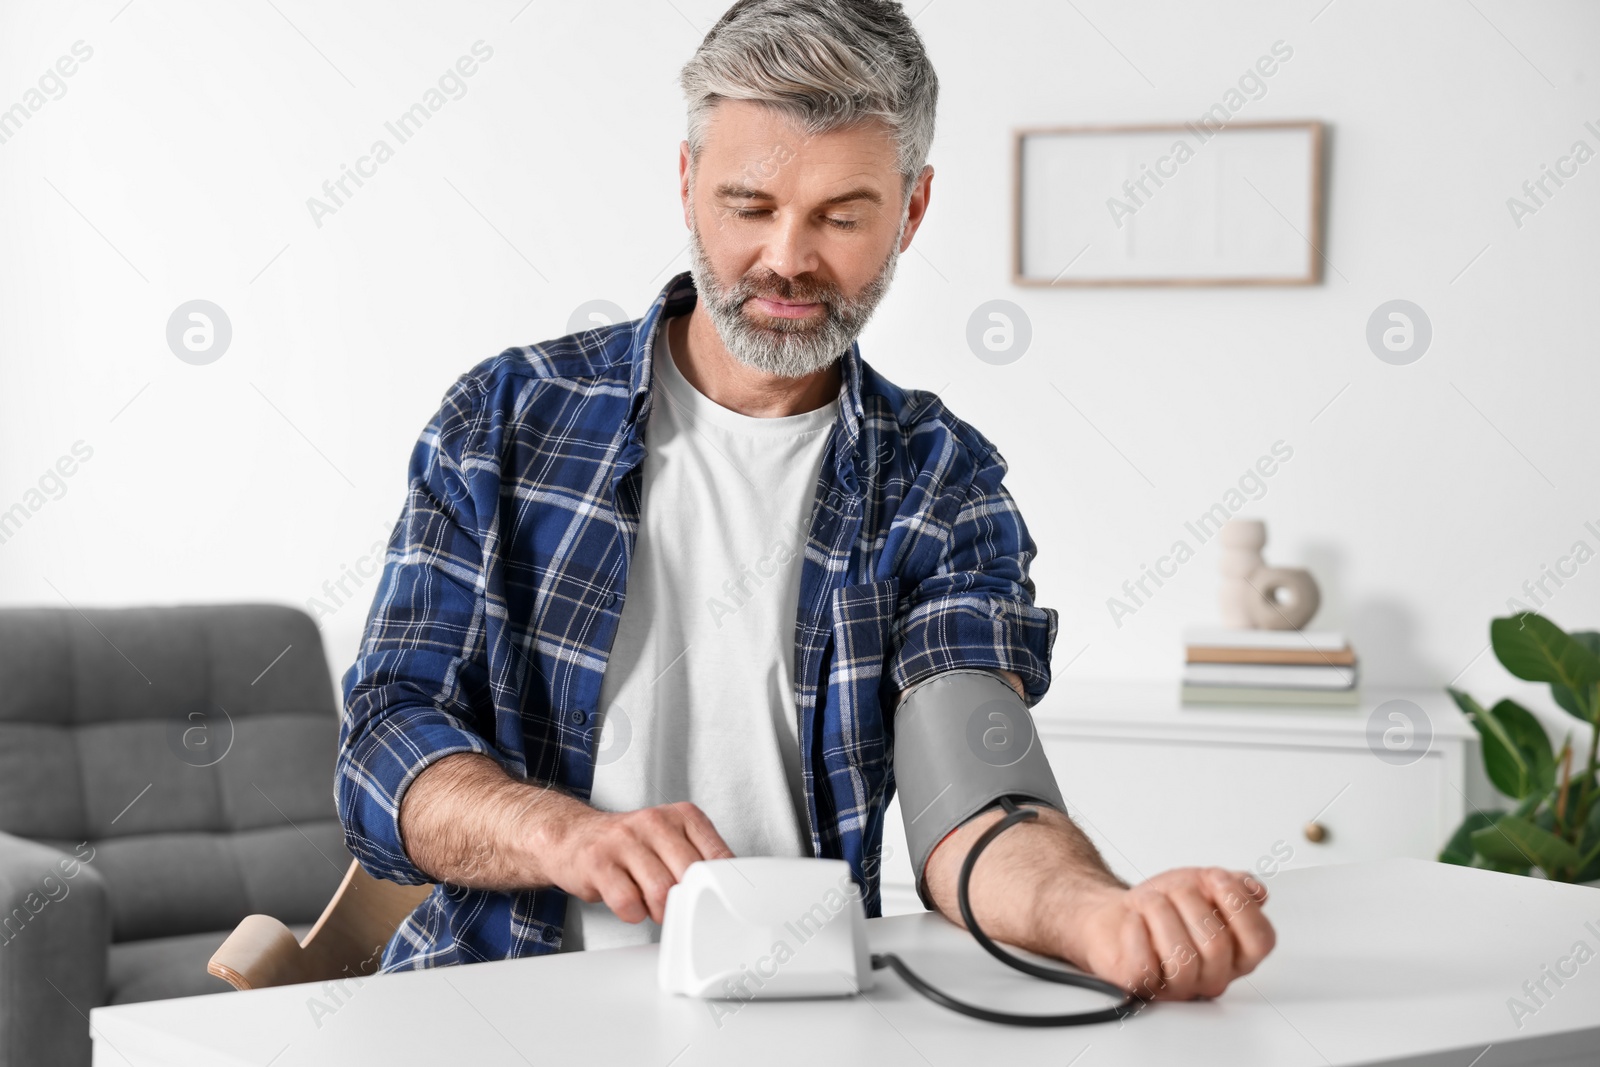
<point x="790" y="248"/>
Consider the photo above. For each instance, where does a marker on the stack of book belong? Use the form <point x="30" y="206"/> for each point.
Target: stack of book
<point x="1225" y="666"/>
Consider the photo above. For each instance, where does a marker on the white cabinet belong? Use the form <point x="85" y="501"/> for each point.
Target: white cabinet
<point x="1158" y="784"/>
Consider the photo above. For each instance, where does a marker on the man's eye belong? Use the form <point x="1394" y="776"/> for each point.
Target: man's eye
<point x="750" y="213"/>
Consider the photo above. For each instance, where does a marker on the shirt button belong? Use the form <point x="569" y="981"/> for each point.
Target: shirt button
<point x="611" y="598"/>
<point x="578" y="716"/>
<point x="549" y="933"/>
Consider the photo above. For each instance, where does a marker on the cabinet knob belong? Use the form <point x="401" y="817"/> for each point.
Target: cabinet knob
<point x="1315" y="832"/>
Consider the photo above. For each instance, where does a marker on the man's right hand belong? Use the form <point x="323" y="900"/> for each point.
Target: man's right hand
<point x="466" y="822"/>
<point x="630" y="859"/>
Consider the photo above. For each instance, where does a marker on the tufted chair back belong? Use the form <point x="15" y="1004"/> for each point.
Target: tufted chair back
<point x="185" y="752"/>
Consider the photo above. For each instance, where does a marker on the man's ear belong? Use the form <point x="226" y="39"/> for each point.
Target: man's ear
<point x="683" y="182"/>
<point x="917" y="206"/>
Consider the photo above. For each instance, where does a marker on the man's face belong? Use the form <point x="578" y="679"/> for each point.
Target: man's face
<point x="793" y="240"/>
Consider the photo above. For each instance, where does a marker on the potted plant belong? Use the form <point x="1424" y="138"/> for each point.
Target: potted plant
<point x="1555" y="825"/>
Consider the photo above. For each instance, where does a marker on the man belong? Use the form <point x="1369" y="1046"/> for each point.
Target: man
<point x="658" y="587"/>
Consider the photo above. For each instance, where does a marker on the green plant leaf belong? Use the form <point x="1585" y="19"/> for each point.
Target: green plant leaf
<point x="1567" y="701"/>
<point x="1528" y="806"/>
<point x="1520" y="868"/>
<point x="1507" y="765"/>
<point x="1566" y="698"/>
<point x="1535" y="649"/>
<point x="1459" y="848"/>
<point x="1469" y="707"/>
<point x="1531" y="742"/>
<point x="1517" y="841"/>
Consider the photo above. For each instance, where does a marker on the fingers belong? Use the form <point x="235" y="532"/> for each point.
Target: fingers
<point x="1240" y="897"/>
<point x="1207" y="928"/>
<point x="701" y="833"/>
<point x="635" y="885"/>
<point x="662" y="831"/>
<point x="1169" y="936"/>
<point x="1140" y="970"/>
<point x="620" y="893"/>
<point x="677" y="850"/>
<point x="631" y="860"/>
<point x="1208" y="932"/>
<point x="651" y="879"/>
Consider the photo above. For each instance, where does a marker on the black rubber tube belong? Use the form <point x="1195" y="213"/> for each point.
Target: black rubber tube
<point x="1122" y="1009"/>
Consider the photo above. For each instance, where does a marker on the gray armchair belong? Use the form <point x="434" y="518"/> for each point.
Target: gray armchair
<point x="164" y="772"/>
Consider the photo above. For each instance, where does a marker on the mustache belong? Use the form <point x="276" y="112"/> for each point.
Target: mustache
<point x="775" y="286"/>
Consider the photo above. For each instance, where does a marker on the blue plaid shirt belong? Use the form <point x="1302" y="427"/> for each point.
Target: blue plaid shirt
<point x="505" y="576"/>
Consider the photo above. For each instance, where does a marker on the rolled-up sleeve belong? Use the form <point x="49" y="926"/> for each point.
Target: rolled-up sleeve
<point x="977" y="608"/>
<point x="417" y="691"/>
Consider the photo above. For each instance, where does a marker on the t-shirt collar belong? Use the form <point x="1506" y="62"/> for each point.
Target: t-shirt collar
<point x="678" y="297"/>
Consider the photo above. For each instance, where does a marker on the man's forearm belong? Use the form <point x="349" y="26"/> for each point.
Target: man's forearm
<point x="466" y="822"/>
<point x="1028" y="882"/>
<point x="1029" y="879"/>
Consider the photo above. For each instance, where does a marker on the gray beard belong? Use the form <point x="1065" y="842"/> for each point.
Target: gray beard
<point x="788" y="348"/>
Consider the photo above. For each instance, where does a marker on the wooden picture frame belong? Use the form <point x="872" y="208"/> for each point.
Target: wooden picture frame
<point x="1264" y="230"/>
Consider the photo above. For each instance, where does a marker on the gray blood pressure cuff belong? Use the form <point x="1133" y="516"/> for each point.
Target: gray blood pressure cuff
<point x="962" y="740"/>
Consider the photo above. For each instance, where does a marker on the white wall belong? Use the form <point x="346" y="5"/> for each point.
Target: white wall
<point x="178" y="163"/>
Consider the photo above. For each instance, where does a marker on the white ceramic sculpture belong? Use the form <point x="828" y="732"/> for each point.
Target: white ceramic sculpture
<point x="1255" y="596"/>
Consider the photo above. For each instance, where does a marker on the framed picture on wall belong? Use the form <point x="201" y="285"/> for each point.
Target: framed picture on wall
<point x="1239" y="203"/>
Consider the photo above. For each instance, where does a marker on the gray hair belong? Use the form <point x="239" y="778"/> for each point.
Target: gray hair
<point x="824" y="64"/>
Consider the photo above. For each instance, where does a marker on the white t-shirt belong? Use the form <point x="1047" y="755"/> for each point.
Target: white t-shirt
<point x="697" y="702"/>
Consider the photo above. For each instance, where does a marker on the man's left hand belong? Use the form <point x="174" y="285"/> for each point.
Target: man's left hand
<point x="1184" y="933"/>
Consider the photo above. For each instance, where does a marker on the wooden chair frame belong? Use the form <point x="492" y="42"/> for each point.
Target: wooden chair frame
<point x="346" y="942"/>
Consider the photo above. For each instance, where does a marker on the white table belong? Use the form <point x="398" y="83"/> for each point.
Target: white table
<point x="1398" y="961"/>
